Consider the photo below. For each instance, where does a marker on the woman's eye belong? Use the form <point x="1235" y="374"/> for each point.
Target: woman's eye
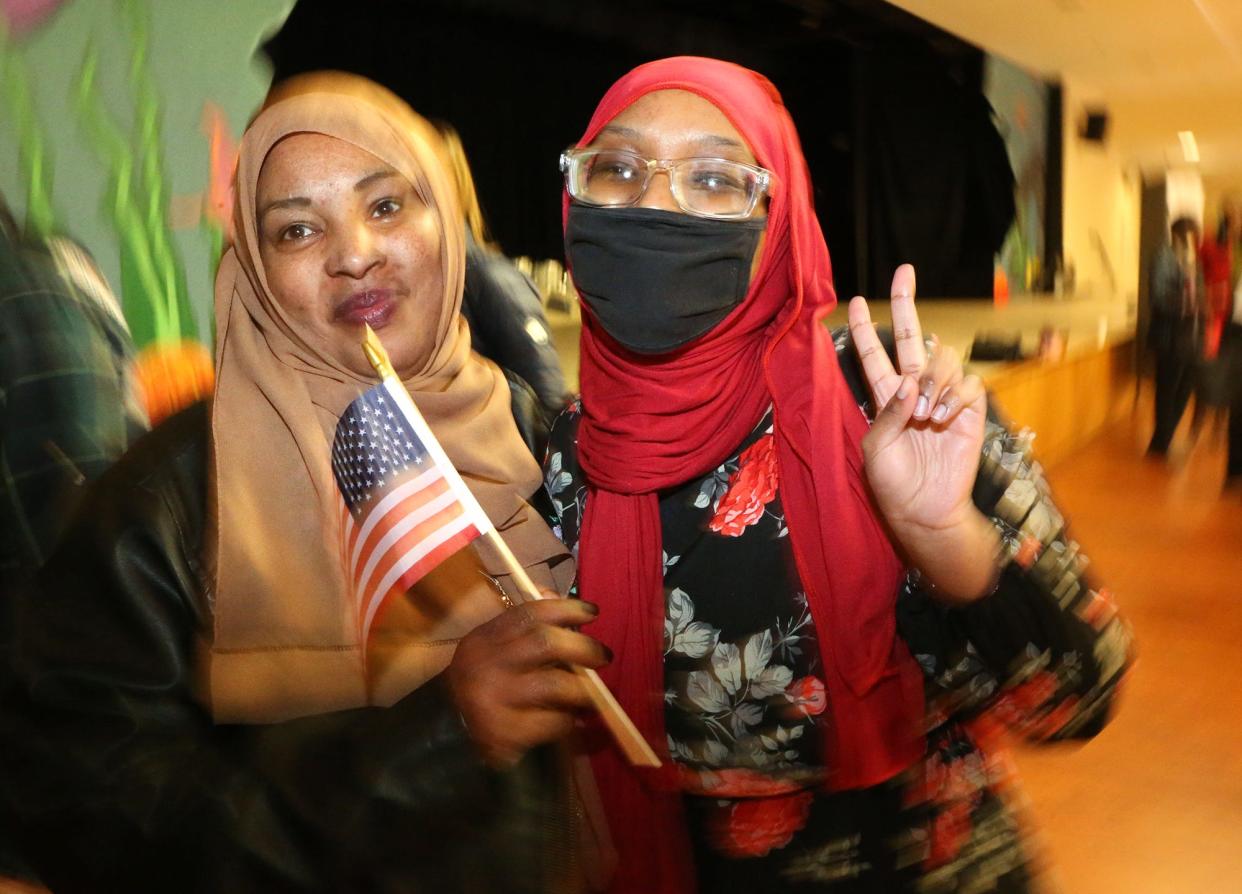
<point x="613" y="167"/>
<point x="385" y="208"/>
<point x="295" y="232"/>
<point x="717" y="181"/>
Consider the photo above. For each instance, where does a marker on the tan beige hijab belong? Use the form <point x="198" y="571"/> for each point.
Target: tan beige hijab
<point x="285" y="637"/>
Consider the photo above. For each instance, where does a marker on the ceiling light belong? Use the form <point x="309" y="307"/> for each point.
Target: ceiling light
<point x="1190" y="149"/>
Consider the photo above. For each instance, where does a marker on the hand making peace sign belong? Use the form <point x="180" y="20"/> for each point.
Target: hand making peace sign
<point x="922" y="452"/>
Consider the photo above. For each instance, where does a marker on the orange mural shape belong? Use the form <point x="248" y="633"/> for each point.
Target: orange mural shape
<point x="173" y="375"/>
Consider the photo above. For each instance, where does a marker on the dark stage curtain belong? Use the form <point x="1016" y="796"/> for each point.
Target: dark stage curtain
<point x="939" y="187"/>
<point x="904" y="159"/>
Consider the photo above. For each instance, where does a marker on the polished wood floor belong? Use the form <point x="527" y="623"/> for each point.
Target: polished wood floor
<point x="1154" y="804"/>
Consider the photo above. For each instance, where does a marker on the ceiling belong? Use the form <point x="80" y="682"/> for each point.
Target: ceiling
<point x="1157" y="66"/>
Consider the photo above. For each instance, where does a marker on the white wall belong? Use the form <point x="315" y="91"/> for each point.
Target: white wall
<point x="1217" y="187"/>
<point x="1101" y="209"/>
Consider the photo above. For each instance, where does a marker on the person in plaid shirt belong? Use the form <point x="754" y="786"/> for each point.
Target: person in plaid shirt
<point x="66" y="411"/>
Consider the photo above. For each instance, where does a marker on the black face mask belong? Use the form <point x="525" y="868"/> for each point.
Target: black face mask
<point x="656" y="280"/>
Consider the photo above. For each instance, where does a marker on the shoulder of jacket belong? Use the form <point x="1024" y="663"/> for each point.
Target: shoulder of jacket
<point x="163" y="473"/>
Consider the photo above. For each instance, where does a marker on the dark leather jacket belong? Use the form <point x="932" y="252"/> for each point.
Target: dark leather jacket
<point x="118" y="779"/>
<point x="508" y="325"/>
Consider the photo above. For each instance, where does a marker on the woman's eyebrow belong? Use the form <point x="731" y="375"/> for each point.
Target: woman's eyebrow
<point x="712" y="139"/>
<point x="706" y="140"/>
<point x="381" y="174"/>
<point x="619" y="130"/>
<point x="294" y="202"/>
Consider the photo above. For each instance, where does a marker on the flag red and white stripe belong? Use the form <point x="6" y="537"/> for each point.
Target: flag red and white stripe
<point x="404" y="508"/>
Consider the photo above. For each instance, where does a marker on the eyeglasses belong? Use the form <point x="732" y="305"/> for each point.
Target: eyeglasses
<point x="706" y="187"/>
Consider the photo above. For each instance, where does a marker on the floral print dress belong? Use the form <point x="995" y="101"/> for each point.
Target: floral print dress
<point x="744" y="700"/>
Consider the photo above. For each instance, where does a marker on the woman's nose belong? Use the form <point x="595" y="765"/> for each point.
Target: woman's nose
<point x="659" y="193"/>
<point x="355" y="251"/>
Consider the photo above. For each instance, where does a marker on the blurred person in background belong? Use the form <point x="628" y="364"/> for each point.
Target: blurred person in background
<point x="828" y="573"/>
<point x="1175" y="331"/>
<point x="1222" y="262"/>
<point x="1233" y="347"/>
<point x="192" y="708"/>
<point x="68" y="409"/>
<point x="501" y="304"/>
<point x="1221" y="258"/>
<point x="69" y="403"/>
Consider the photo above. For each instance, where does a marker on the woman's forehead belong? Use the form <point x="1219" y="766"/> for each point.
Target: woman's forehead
<point x="304" y="156"/>
<point x="676" y="115"/>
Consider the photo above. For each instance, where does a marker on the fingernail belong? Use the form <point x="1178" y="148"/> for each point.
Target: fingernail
<point x="920" y="408"/>
<point x="903" y="389"/>
<point x="940" y="412"/>
<point x="591" y="607"/>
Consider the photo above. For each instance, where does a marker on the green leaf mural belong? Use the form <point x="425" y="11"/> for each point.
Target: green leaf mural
<point x="105" y="100"/>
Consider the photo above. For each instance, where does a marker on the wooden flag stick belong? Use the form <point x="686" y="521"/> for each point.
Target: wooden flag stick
<point x="631" y="742"/>
<point x="636" y="749"/>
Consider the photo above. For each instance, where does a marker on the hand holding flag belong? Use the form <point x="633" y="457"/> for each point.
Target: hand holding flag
<point x="405" y="509"/>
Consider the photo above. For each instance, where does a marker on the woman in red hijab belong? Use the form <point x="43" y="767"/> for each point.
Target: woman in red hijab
<point x="752" y="531"/>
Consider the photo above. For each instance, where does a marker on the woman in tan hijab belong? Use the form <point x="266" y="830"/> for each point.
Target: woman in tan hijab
<point x="192" y="708"/>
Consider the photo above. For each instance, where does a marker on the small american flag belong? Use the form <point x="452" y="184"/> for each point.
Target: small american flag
<point x="404" y="507"/>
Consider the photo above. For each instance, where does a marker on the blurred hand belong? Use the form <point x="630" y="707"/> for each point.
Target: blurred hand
<point x="922" y="452"/>
<point x="511" y="679"/>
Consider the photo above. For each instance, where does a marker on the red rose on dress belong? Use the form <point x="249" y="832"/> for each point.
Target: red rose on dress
<point x="808" y="696"/>
<point x="955" y="789"/>
<point x="734" y="782"/>
<point x="752" y="827"/>
<point x="751" y="488"/>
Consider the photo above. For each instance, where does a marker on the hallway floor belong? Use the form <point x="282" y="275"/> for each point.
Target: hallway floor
<point x="1154" y="805"/>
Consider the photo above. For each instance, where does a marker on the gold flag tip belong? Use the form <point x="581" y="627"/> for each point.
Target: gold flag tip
<point x="376" y="355"/>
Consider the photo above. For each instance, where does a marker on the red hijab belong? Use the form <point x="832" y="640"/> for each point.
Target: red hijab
<point x="651" y="423"/>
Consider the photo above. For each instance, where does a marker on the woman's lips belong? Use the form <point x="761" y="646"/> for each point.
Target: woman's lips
<point x="373" y="307"/>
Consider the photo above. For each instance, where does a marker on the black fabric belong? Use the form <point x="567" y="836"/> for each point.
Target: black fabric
<point x="940" y="186"/>
<point x="735" y="609"/>
<point x="1233" y="466"/>
<point x="870" y="819"/>
<point x="656" y="280"/>
<point x="533" y="418"/>
<point x="508" y="326"/>
<point x="1174" y="334"/>
<point x="1176" y="365"/>
<point x="1232" y="350"/>
<point x="120" y="781"/>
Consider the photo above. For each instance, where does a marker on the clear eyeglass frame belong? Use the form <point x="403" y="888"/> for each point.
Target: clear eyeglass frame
<point x="573" y="158"/>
